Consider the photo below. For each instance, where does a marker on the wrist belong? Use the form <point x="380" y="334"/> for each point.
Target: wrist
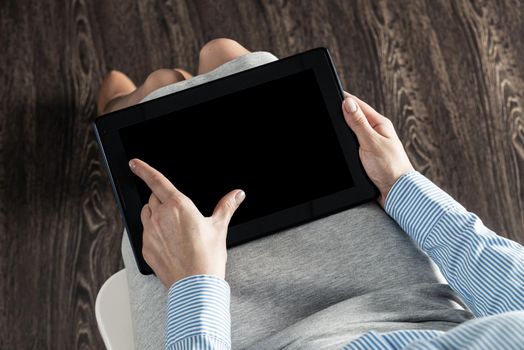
<point x="174" y="279"/>
<point x="196" y="277"/>
<point x="387" y="197"/>
<point x="386" y="188"/>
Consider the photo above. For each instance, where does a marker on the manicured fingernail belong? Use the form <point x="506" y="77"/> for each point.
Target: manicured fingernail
<point x="350" y="105"/>
<point x="239" y="197"/>
<point x="132" y="164"/>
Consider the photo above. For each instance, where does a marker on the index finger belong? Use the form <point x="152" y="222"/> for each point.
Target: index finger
<point x="158" y="183"/>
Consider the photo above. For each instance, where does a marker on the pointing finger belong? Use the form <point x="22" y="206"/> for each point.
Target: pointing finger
<point x="158" y="183"/>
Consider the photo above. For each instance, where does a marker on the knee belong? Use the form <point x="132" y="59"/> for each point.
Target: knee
<point x="219" y="46"/>
<point x="158" y="79"/>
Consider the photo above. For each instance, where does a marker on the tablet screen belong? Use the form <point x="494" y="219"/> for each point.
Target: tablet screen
<point x="275" y="141"/>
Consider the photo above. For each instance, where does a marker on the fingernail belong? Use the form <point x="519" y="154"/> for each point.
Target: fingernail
<point x="350" y="105"/>
<point x="132" y="164"/>
<point x="239" y="197"/>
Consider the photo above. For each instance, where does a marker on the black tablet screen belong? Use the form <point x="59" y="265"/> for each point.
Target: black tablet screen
<point x="275" y="141"/>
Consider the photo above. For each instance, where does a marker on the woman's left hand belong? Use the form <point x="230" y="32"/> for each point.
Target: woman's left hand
<point x="178" y="240"/>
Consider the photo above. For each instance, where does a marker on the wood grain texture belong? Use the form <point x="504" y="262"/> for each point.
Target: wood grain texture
<point x="450" y="75"/>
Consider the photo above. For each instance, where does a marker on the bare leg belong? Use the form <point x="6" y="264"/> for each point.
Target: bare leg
<point x="217" y="52"/>
<point x="118" y="91"/>
<point x="115" y="85"/>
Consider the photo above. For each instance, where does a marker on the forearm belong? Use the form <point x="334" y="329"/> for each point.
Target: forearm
<point x="494" y="332"/>
<point x="485" y="269"/>
<point x="198" y="314"/>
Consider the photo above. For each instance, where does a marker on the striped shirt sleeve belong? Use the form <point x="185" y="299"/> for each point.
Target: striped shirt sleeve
<point x="503" y="331"/>
<point x="486" y="270"/>
<point x="198" y="314"/>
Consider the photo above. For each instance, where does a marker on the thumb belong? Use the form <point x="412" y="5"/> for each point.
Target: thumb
<point x="357" y="120"/>
<point x="227" y="206"/>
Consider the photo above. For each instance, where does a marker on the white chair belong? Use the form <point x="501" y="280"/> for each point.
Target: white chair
<point x="113" y="314"/>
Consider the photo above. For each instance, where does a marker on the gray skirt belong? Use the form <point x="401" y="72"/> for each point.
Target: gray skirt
<point x="315" y="286"/>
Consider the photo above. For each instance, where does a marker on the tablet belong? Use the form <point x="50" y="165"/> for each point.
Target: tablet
<point x="276" y="131"/>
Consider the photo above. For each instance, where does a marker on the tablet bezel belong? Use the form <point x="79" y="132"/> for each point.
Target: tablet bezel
<point x="107" y="127"/>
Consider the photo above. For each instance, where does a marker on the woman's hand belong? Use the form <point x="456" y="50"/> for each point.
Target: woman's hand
<point x="178" y="240"/>
<point x="381" y="151"/>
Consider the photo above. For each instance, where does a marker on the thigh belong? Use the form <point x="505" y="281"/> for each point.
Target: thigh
<point x="355" y="269"/>
<point x="118" y="91"/>
<point x="147" y="302"/>
<point x="357" y="265"/>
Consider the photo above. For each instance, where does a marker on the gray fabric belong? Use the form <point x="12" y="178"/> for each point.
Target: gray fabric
<point x="314" y="286"/>
<point x="239" y="64"/>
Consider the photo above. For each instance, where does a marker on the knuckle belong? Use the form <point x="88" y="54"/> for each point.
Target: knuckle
<point x="175" y="199"/>
<point x="156" y="216"/>
<point x="155" y="178"/>
<point x="376" y="142"/>
<point x="184" y="202"/>
<point x="388" y="122"/>
<point x="146" y="212"/>
<point x="180" y="201"/>
<point x="389" y="128"/>
<point x="230" y="204"/>
<point x="360" y="118"/>
<point x="146" y="253"/>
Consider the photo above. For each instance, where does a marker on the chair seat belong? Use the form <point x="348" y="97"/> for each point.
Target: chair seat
<point x="113" y="313"/>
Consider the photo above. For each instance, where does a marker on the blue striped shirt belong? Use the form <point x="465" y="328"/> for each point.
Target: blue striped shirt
<point x="486" y="270"/>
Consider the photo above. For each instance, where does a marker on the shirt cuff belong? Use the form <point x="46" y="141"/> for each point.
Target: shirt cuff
<point x="198" y="306"/>
<point x="417" y="205"/>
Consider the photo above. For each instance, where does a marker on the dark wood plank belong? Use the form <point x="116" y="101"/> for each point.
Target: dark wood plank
<point x="449" y="74"/>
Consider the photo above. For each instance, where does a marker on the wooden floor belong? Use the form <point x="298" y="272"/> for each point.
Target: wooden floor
<point x="450" y="74"/>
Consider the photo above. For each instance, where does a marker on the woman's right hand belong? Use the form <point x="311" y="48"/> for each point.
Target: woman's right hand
<point x="381" y="151"/>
